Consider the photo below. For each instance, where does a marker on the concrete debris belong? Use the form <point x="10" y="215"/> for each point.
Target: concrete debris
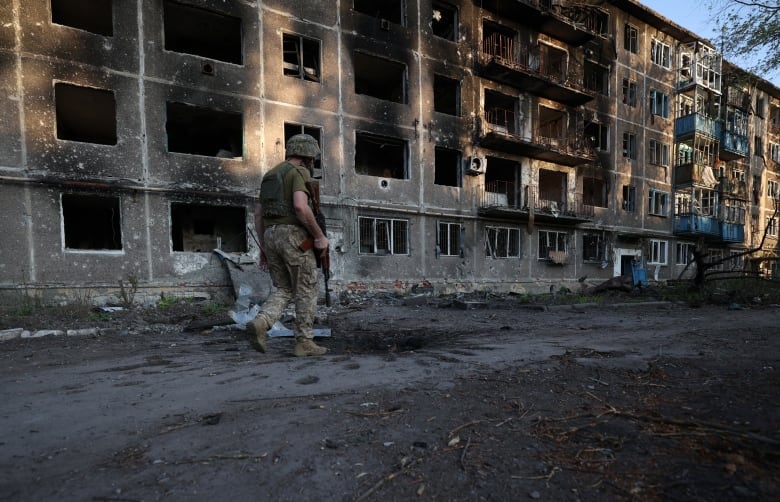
<point x="43" y="332"/>
<point x="10" y="334"/>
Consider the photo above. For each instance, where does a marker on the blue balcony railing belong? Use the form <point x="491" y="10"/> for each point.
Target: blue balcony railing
<point x="708" y="226"/>
<point x="734" y="143"/>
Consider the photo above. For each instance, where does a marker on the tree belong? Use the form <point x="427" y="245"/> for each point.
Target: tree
<point x="749" y="31"/>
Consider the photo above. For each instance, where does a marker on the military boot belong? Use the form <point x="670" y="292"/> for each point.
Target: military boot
<point x="307" y="347"/>
<point x="258" y="335"/>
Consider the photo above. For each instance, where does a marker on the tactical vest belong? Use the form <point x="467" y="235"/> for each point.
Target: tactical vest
<point x="274" y="201"/>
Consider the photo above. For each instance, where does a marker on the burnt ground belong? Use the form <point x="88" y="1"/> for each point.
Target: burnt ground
<point x="422" y="400"/>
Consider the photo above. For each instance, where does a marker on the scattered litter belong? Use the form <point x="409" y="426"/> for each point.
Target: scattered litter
<point x="111" y="308"/>
<point x="278" y="329"/>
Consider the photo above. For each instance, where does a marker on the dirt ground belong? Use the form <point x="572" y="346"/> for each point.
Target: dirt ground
<point x="418" y="399"/>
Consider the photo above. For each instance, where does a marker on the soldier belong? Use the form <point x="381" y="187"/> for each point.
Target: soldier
<point x="285" y="220"/>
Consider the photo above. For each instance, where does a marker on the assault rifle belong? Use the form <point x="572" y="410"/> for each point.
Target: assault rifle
<point x="323" y="257"/>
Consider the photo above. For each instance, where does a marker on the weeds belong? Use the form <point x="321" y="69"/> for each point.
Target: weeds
<point x="127" y="292"/>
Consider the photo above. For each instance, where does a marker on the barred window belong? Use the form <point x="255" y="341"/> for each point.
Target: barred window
<point x="502" y="242"/>
<point x="551" y="241"/>
<point x="383" y="236"/>
<point x="448" y="240"/>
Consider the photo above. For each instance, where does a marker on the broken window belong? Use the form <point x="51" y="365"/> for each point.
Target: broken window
<point x="658" y="202"/>
<point x="594" y="192"/>
<point x="449" y="239"/>
<point x="291" y="129"/>
<point x="684" y="252"/>
<point x="552" y="246"/>
<point x="593" y="247"/>
<point x="659" y="103"/>
<point x="629" y="145"/>
<point x="499" y="42"/>
<point x="596" y="78"/>
<point x="629" y="92"/>
<point x="446" y="167"/>
<point x="204" y="131"/>
<point x="502" y="242"/>
<point x="91" y="222"/>
<point x="629" y="198"/>
<point x="301" y="57"/>
<point x="201" y="32"/>
<point x="380" y="77"/>
<point x="552" y="191"/>
<point x="631" y="38"/>
<point x="446" y="95"/>
<point x="380" y="156"/>
<point x="85" y="114"/>
<point x="94" y="16"/>
<point x="659" y="153"/>
<point x="552" y="123"/>
<point x="660" y="53"/>
<point x="444" y="21"/>
<point x="383" y="236"/>
<point x="390" y="10"/>
<point x="502" y="182"/>
<point x="500" y="112"/>
<point x="201" y="228"/>
<point x="657" y="252"/>
<point x="598" y="135"/>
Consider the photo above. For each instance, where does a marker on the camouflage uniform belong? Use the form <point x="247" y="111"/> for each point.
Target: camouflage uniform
<point x="293" y="272"/>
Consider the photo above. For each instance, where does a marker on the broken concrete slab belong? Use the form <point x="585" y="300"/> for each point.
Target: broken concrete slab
<point x="10" y="334"/>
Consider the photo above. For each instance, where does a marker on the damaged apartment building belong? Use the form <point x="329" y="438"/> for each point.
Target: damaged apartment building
<point x="495" y="145"/>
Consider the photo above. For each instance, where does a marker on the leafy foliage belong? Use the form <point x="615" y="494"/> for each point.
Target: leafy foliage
<point x="750" y="31"/>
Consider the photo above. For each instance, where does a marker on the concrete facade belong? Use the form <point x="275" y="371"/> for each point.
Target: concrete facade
<point x="134" y="136"/>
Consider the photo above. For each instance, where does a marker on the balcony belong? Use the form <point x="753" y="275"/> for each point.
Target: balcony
<point x="733" y="145"/>
<point x="574" y="26"/>
<point x="500" y="132"/>
<point x="691" y="225"/>
<point x="694" y="174"/>
<point x="536" y="70"/>
<point x="696" y="123"/>
<point x="733" y="189"/>
<point x="507" y="200"/>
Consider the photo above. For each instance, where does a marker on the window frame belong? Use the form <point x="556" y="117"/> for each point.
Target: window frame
<point x="662" y="150"/>
<point x="629" y="198"/>
<point x="661" y="54"/>
<point x="631" y="38"/>
<point x="453" y="230"/>
<point x="560" y="239"/>
<point x="599" y="245"/>
<point x="659" y="103"/>
<point x="630" y="146"/>
<point x="511" y="242"/>
<point x="658" y="198"/>
<point x="630" y="92"/>
<point x="684" y="253"/>
<point x="301" y="72"/>
<point x="390" y="226"/>
<point x="658" y="247"/>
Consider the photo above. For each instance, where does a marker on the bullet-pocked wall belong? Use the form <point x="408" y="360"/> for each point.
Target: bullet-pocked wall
<point x="465" y="145"/>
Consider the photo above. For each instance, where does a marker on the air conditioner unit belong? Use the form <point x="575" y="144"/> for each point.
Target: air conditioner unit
<point x="476" y="166"/>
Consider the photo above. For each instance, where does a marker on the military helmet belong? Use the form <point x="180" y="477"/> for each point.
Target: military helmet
<point x="302" y="145"/>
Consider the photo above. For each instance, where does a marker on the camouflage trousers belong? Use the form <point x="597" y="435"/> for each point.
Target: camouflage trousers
<point x="294" y="274"/>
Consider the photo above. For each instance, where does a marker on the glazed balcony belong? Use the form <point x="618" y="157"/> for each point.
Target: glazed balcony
<point x="546" y="16"/>
<point x="500" y="131"/>
<point x="733" y="145"/>
<point x="692" y="225"/>
<point x="508" y="200"/>
<point x="696" y="123"/>
<point x="541" y="71"/>
<point x="733" y="189"/>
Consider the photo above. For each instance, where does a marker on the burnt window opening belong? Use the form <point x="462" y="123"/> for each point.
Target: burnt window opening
<point x="446" y="95"/>
<point x="499" y="42"/>
<point x="301" y="57"/>
<point x="597" y="78"/>
<point x="94" y="16"/>
<point x="204" y="131"/>
<point x="593" y="247"/>
<point x="85" y="114"/>
<point x="447" y="167"/>
<point x="390" y="10"/>
<point x="501" y="112"/>
<point x="380" y="156"/>
<point x="201" y="228"/>
<point x="502" y="180"/>
<point x="380" y="78"/>
<point x="201" y="32"/>
<point x="552" y="124"/>
<point x="444" y="22"/>
<point x="597" y="135"/>
<point x="594" y="192"/>
<point x="552" y="191"/>
<point x="291" y="129"/>
<point x="91" y="222"/>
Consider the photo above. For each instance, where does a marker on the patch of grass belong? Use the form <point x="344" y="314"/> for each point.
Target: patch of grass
<point x="167" y="301"/>
<point x="213" y="308"/>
